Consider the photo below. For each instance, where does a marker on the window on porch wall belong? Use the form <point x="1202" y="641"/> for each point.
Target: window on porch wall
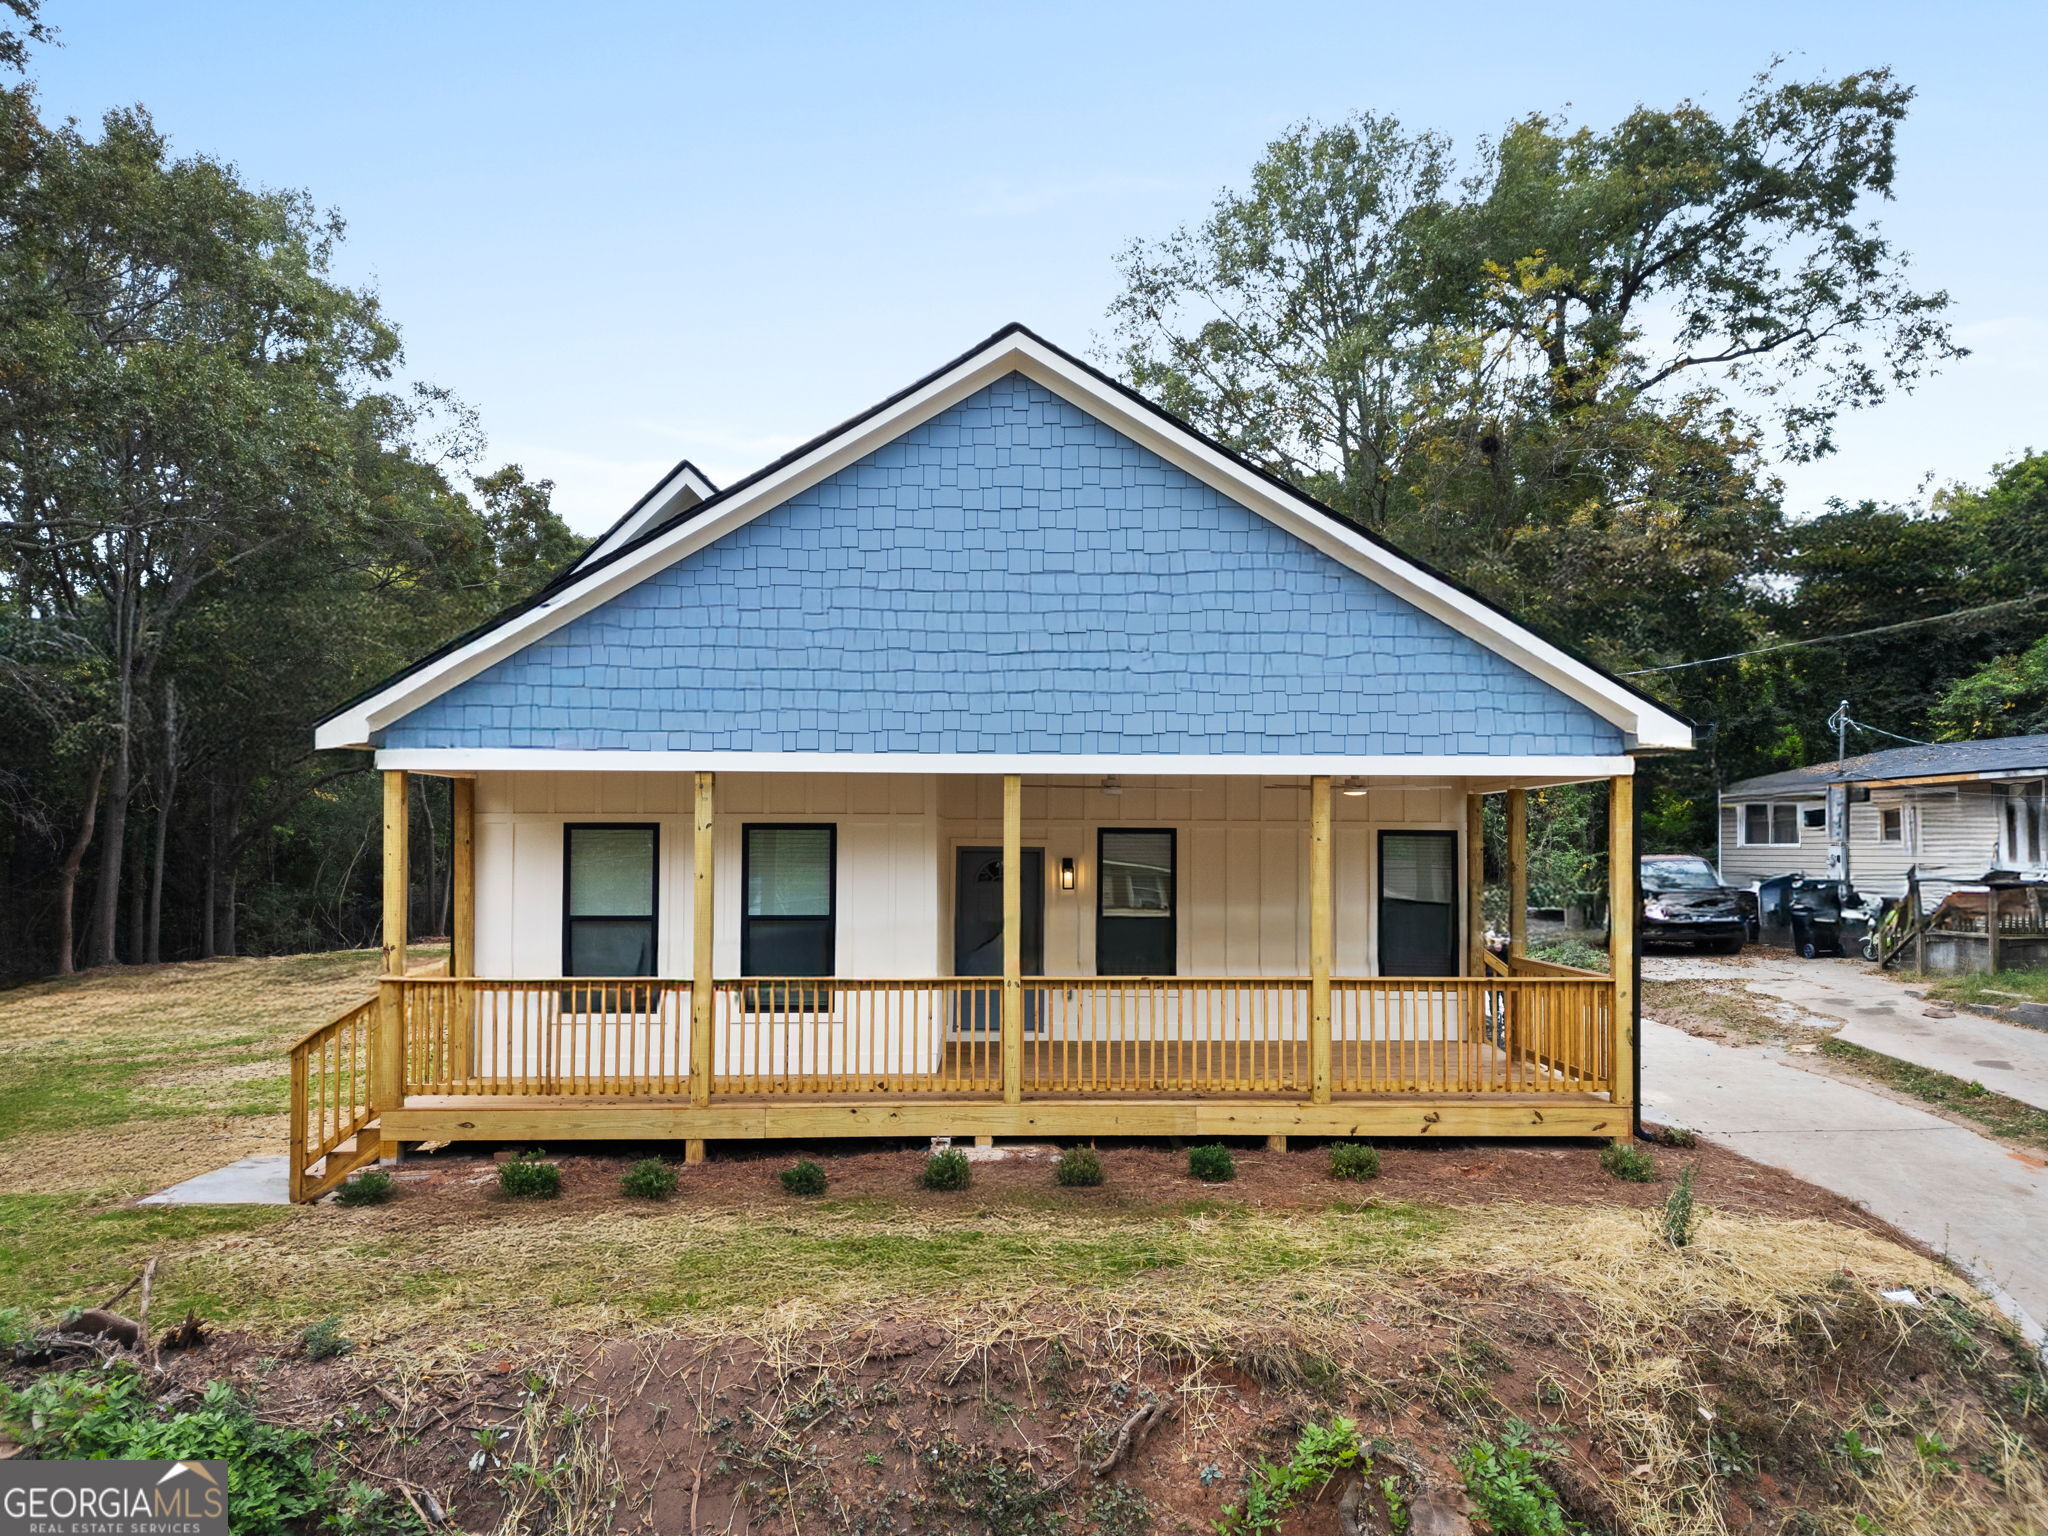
<point x="1135" y="904"/>
<point x="787" y="922"/>
<point x="610" y="907"/>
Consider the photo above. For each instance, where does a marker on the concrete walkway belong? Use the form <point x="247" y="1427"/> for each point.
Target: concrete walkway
<point x="1960" y="1194"/>
<point x="1875" y="1011"/>
<point x="264" y="1180"/>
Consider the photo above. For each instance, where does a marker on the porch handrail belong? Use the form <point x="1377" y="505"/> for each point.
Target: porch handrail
<point x="1088" y="1035"/>
<point x="331" y="1101"/>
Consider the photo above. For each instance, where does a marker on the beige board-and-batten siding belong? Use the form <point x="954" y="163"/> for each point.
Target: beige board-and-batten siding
<point x="1951" y="834"/>
<point x="1243" y="906"/>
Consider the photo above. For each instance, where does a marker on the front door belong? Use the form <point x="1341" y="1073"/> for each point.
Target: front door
<point x="1418" y="903"/>
<point x="978" y="928"/>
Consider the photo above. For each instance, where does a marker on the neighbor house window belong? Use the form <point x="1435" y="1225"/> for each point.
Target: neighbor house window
<point x="2026" y="830"/>
<point x="1814" y="818"/>
<point x="1891" y="825"/>
<point x="1135" y="904"/>
<point x="609" y="901"/>
<point x="787" y="875"/>
<point x="1764" y="823"/>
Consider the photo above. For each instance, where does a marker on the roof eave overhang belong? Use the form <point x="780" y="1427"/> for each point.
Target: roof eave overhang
<point x="1645" y="726"/>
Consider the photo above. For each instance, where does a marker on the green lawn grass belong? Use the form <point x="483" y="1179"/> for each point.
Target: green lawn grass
<point x="2011" y="1118"/>
<point x="1991" y="991"/>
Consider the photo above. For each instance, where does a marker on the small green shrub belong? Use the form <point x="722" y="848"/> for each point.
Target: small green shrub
<point x="947" y="1170"/>
<point x="1679" y="1136"/>
<point x="803" y="1178"/>
<point x="1570" y="952"/>
<point x="279" y="1486"/>
<point x="648" y="1179"/>
<point x="1629" y="1163"/>
<point x="527" y="1178"/>
<point x="1078" y="1168"/>
<point x="1275" y="1488"/>
<point x="1212" y="1164"/>
<point x="1681" y="1211"/>
<point x="323" y="1340"/>
<point x="1507" y="1486"/>
<point x="1354" y="1160"/>
<point x="15" y="1327"/>
<point x="373" y="1186"/>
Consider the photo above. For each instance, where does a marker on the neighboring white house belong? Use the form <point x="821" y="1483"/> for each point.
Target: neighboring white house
<point x="1956" y="812"/>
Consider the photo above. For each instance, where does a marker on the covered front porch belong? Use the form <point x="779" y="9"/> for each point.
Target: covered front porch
<point x="977" y="955"/>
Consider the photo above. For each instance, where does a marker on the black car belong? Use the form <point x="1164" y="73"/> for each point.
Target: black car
<point x="1684" y="902"/>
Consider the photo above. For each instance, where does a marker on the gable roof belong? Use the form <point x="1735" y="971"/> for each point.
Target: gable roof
<point x="639" y="550"/>
<point x="1991" y="759"/>
<point x="671" y="499"/>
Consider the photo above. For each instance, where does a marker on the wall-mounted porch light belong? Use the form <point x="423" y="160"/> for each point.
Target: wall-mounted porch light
<point x="1066" y="874"/>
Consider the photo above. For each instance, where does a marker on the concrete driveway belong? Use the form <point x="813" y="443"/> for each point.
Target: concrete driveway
<point x="1880" y="1013"/>
<point x="1984" y="1206"/>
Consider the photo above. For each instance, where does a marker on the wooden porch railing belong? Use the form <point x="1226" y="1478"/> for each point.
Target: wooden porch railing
<point x="778" y="1037"/>
<point x="331" y="1101"/>
<point x="1084" y="1036"/>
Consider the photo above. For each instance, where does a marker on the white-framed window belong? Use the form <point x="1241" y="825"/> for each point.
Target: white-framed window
<point x="1891" y="824"/>
<point x="1768" y="823"/>
<point x="2023" y="832"/>
<point x="1813" y="818"/>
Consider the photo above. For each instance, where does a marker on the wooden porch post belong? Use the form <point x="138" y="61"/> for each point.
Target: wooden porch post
<point x="387" y="1056"/>
<point x="462" y="945"/>
<point x="462" y="951"/>
<point x="397" y="866"/>
<point x="1622" y="881"/>
<point x="1518" y="873"/>
<point x="703" y="896"/>
<point x="1321" y="939"/>
<point x="1013" y="938"/>
<point x="1475" y="885"/>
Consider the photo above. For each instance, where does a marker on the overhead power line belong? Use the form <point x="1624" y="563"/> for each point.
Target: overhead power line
<point x="1854" y="634"/>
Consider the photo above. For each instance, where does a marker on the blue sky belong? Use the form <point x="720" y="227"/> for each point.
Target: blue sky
<point x="629" y="232"/>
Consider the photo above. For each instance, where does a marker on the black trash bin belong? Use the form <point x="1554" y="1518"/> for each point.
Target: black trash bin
<point x="1825" y="917"/>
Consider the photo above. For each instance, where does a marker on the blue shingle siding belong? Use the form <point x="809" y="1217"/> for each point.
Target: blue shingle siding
<point x="1012" y="576"/>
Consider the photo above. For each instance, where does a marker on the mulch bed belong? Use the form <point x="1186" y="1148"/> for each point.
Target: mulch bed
<point x="1140" y="1175"/>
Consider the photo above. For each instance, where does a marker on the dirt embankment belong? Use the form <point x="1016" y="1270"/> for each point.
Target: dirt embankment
<point x="1140" y="1349"/>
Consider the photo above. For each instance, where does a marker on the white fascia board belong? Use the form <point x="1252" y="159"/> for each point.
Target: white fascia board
<point x="682" y="481"/>
<point x="1647" y="726"/>
<point x="467" y="760"/>
<point x="353" y="727"/>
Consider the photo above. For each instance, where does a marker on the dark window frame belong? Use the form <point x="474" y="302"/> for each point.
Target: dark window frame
<point x="588" y="1000"/>
<point x="822" y="998"/>
<point x="1172" y="916"/>
<point x="1456" y="839"/>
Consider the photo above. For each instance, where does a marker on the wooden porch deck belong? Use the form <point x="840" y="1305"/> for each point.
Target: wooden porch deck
<point x="436" y="1058"/>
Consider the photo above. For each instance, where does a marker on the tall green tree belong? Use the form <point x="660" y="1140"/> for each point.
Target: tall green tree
<point x="180" y="373"/>
<point x="216" y="515"/>
<point x="1551" y="361"/>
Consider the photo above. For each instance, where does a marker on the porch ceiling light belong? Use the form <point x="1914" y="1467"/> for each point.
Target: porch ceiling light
<point x="1353" y="786"/>
<point x="1112" y="785"/>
